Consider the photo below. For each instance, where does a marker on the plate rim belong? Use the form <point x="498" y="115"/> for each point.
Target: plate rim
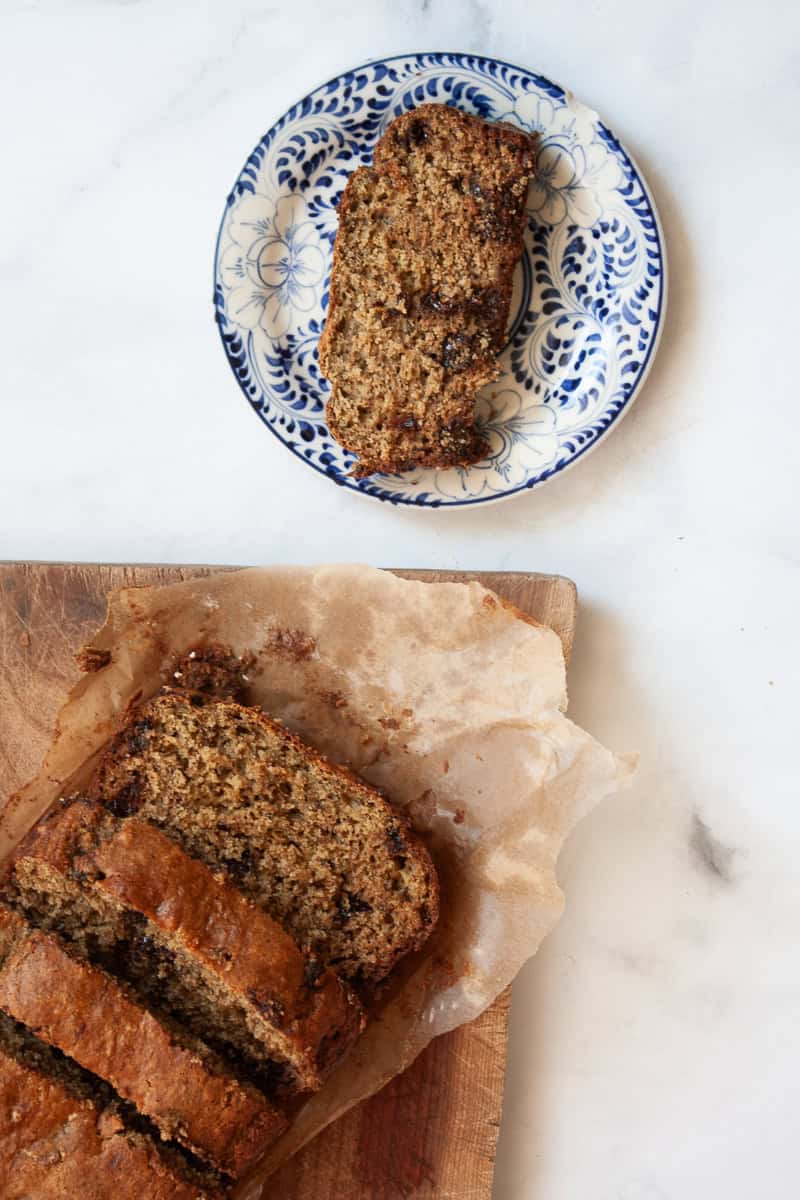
<point x="548" y="476"/>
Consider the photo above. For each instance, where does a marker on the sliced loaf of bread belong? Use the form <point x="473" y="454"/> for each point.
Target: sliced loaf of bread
<point x="130" y="897"/>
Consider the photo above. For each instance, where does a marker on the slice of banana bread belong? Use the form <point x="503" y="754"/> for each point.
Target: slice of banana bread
<point x="174" y="1080"/>
<point x="423" y="267"/>
<point x="131" y="898"/>
<point x="62" y="1136"/>
<point x="318" y="849"/>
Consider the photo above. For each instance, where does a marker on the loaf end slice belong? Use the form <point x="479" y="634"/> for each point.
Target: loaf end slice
<point x="424" y="257"/>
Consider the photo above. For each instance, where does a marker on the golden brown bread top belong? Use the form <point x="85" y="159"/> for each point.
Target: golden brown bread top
<point x="90" y="1017"/>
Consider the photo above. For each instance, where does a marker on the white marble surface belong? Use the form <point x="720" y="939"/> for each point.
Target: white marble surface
<point x="655" y="1040"/>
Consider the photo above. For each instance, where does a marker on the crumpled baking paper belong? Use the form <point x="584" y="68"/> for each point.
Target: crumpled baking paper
<point x="438" y="693"/>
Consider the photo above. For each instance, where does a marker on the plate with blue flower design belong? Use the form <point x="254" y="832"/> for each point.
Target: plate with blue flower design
<point x="589" y="291"/>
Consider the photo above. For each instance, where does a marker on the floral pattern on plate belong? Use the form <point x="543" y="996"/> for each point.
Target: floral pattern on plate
<point x="589" y="293"/>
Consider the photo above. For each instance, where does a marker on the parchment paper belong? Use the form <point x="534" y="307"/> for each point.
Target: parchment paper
<point x="436" y="692"/>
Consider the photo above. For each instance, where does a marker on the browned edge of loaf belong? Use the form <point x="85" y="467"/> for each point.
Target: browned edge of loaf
<point x="92" y="1018"/>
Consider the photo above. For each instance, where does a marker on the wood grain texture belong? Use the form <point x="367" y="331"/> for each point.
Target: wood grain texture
<point x="432" y="1132"/>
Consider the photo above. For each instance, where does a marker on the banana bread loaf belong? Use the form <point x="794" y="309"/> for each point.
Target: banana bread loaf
<point x="318" y="849"/>
<point x="131" y="898"/>
<point x="172" y="1079"/>
<point x="423" y="266"/>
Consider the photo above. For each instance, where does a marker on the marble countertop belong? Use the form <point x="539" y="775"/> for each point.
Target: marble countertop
<point x="655" y="1038"/>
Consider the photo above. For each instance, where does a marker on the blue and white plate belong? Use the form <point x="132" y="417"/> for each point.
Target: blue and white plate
<point x="589" y="292"/>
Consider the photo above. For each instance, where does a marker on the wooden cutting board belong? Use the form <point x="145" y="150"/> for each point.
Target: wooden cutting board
<point x="432" y="1132"/>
